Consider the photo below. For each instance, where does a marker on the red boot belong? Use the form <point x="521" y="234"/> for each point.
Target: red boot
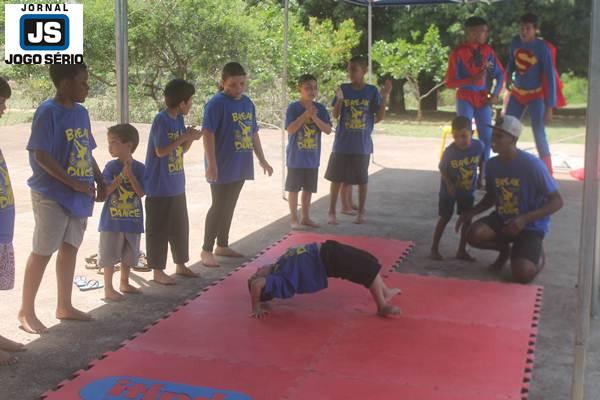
<point x="548" y="161"/>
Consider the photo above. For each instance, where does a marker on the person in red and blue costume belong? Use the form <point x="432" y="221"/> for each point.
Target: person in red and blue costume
<point x="531" y="80"/>
<point x="477" y="74"/>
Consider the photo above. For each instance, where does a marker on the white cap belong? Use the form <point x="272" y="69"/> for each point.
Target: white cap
<point x="509" y="124"/>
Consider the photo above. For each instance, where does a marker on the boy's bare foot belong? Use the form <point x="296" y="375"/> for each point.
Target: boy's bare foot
<point x="435" y="255"/>
<point x="9" y="345"/>
<point x="73" y="314"/>
<point x="501" y="260"/>
<point x="296" y="225"/>
<point x="208" y="259"/>
<point x="310" y="222"/>
<point x="185" y="271"/>
<point x="112" y="295"/>
<point x="360" y="219"/>
<point x="332" y="219"/>
<point x="463" y="255"/>
<point x="127" y="288"/>
<point x="7" y="359"/>
<point x="389" y="293"/>
<point x="351" y="212"/>
<point x="227" y="252"/>
<point x="31" y="324"/>
<point x="161" y="278"/>
<point x="388" y="310"/>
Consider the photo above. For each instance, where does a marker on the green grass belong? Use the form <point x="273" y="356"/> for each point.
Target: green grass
<point x="16" y="117"/>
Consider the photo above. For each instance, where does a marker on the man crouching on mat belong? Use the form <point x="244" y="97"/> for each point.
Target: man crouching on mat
<point x="305" y="269"/>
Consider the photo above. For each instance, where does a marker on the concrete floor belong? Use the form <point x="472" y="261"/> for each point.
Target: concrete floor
<point x="402" y="204"/>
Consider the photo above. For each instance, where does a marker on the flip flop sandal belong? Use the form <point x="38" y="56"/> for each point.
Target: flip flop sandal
<point x="142" y="265"/>
<point x="91" y="262"/>
<point x="80" y="281"/>
<point x="101" y="269"/>
<point x="91" y="285"/>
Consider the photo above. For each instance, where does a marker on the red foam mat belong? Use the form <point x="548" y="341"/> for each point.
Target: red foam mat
<point x="456" y="340"/>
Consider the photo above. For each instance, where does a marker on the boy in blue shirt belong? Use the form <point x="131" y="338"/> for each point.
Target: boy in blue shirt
<point x="164" y="183"/>
<point x="358" y="106"/>
<point x="62" y="190"/>
<point x="305" y="120"/>
<point x="524" y="195"/>
<point x="306" y="269"/>
<point x="7" y="228"/>
<point x="122" y="220"/>
<point x="458" y="169"/>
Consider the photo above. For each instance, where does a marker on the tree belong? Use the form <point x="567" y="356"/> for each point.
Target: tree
<point x="411" y="60"/>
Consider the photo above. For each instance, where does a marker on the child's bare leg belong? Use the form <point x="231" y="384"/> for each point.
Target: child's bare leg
<point x="109" y="291"/>
<point x="349" y="199"/>
<point x="34" y="272"/>
<point x="124" y="285"/>
<point x="7" y="359"/>
<point x="159" y="276"/>
<point x="377" y="292"/>
<point x="346" y="197"/>
<point x="333" y="196"/>
<point x="437" y="236"/>
<point x="306" y="196"/>
<point x="293" y="203"/>
<point x="65" y="269"/>
<point x="362" y="200"/>
<point x="462" y="253"/>
<point x="9" y="345"/>
<point x="184" y="270"/>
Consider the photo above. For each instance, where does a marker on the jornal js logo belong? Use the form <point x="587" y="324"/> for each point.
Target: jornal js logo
<point x="44" y="32"/>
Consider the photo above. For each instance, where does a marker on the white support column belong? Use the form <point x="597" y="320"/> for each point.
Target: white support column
<point x="122" y="61"/>
<point x="284" y="95"/>
<point x="588" y="250"/>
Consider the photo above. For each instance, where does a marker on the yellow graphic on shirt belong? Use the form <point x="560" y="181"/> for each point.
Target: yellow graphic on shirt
<point x="295" y="251"/>
<point x="6" y="193"/>
<point x="124" y="203"/>
<point x="175" y="161"/>
<point x="242" y="134"/>
<point x="466" y="170"/>
<point x="306" y="137"/>
<point x="508" y="195"/>
<point x="80" y="165"/>
<point x="356" y="114"/>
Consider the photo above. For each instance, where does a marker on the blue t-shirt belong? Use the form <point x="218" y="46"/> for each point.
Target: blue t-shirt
<point x="520" y="187"/>
<point x="233" y="122"/>
<point x="299" y="270"/>
<point x="123" y="211"/>
<point x="66" y="134"/>
<point x="165" y="176"/>
<point x="357" y="118"/>
<point x="461" y="167"/>
<point x="304" y="145"/>
<point x="7" y="204"/>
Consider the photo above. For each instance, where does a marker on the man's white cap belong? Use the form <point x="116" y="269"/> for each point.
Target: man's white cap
<point x="509" y="124"/>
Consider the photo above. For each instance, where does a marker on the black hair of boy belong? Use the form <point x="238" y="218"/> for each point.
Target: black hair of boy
<point x="126" y="134"/>
<point x="472" y="22"/>
<point x="5" y="90"/>
<point x="360" y="60"/>
<point x="461" y="122"/>
<point x="529" y="18"/>
<point x="61" y="72"/>
<point x="232" y="69"/>
<point x="177" y="91"/>
<point x="306" y="78"/>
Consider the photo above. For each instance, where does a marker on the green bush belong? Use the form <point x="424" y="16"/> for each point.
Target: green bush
<point x="575" y="89"/>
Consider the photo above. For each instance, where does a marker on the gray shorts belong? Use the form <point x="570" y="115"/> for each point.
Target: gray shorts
<point x="54" y="226"/>
<point x="119" y="247"/>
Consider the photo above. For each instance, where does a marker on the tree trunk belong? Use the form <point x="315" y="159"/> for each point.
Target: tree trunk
<point x="397" y="103"/>
<point x="429" y="103"/>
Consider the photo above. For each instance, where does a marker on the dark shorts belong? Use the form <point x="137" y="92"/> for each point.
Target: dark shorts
<point x="305" y="179"/>
<point x="352" y="169"/>
<point x="527" y="244"/>
<point x="446" y="205"/>
<point x="347" y="262"/>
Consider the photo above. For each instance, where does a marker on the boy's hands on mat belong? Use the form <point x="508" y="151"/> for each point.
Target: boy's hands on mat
<point x="266" y="168"/>
<point x="212" y="174"/>
<point x="258" y="312"/>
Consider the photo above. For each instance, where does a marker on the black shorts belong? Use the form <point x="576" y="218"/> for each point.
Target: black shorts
<point x="347" y="262"/>
<point x="446" y="205"/>
<point x="305" y="179"/>
<point x="527" y="244"/>
<point x="352" y="169"/>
